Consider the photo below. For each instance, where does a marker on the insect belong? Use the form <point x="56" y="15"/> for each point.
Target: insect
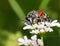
<point x="43" y="16"/>
<point x="31" y="17"/>
<point x="36" y="16"/>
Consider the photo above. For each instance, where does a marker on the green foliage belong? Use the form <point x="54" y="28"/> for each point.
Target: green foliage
<point x="12" y="15"/>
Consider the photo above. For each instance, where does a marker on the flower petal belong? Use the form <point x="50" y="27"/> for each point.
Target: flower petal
<point x="35" y="31"/>
<point x="54" y="21"/>
<point x="27" y="27"/>
<point x="42" y="30"/>
<point x="34" y="38"/>
<point x="40" y="43"/>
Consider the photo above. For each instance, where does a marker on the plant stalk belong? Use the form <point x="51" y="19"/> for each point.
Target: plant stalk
<point x="42" y="40"/>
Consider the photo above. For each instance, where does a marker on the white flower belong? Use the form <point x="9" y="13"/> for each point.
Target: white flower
<point x="24" y="41"/>
<point x="47" y="23"/>
<point x="42" y="30"/>
<point x="33" y="41"/>
<point x="34" y="38"/>
<point x="55" y="23"/>
<point x="30" y="42"/>
<point x="30" y="26"/>
<point x="42" y="27"/>
<point x="20" y="40"/>
<point x="35" y="31"/>
<point x="27" y="27"/>
<point x="48" y="29"/>
<point x="34" y="25"/>
<point x="40" y="43"/>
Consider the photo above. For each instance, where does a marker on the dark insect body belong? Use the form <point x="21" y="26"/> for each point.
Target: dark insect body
<point x="36" y="16"/>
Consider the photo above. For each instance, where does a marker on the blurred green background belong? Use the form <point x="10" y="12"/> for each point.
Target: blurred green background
<point x="12" y="14"/>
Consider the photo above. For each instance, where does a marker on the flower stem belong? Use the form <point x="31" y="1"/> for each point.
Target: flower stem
<point x="42" y="40"/>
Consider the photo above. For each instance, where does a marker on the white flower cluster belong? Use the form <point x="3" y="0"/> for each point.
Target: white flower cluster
<point x="30" y="42"/>
<point x="38" y="22"/>
<point x="42" y="27"/>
